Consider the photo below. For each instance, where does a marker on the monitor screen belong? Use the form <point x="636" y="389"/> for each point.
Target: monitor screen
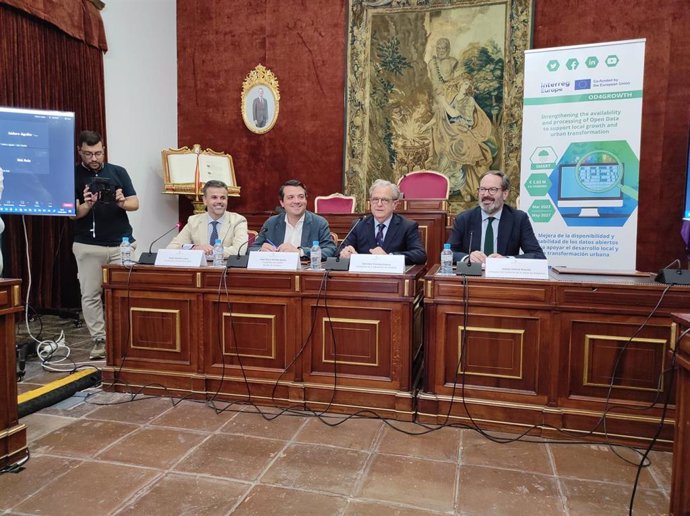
<point x="591" y="185"/>
<point x="37" y="160"/>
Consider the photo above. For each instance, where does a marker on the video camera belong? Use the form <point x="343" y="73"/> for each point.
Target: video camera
<point x="105" y="187"/>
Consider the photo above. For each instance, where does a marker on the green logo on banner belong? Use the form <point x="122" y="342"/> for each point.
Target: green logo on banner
<point x="572" y="64"/>
<point x="538" y="184"/>
<point x="592" y="62"/>
<point x="541" y="210"/>
<point x="553" y="65"/>
<point x="612" y="60"/>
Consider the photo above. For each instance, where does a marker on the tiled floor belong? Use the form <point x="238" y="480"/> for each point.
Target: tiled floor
<point x="102" y="453"/>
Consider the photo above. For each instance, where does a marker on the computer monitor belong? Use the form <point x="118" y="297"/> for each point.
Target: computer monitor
<point x="590" y="186"/>
<point x="37" y="160"/>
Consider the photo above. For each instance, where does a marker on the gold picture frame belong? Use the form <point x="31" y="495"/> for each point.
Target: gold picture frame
<point x="260" y="100"/>
<point x="404" y="58"/>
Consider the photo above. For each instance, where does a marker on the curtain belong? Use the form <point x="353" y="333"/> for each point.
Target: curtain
<point x="43" y="67"/>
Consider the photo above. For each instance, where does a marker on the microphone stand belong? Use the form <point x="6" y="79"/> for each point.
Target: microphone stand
<point x="336" y="263"/>
<point x="238" y="261"/>
<point x="150" y="257"/>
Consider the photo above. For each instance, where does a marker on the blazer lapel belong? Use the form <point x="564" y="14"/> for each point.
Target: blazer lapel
<point x="307" y="237"/>
<point x="475" y="236"/>
<point x="505" y="229"/>
<point x="392" y="232"/>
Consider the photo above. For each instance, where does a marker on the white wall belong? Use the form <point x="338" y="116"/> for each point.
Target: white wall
<point x="141" y="105"/>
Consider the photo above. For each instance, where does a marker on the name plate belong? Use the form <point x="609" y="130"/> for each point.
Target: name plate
<point x="378" y="263"/>
<point x="273" y="261"/>
<point x="514" y="268"/>
<point x="181" y="258"/>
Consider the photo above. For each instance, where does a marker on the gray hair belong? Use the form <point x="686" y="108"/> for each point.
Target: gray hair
<point x="505" y="180"/>
<point x="213" y="183"/>
<point x="382" y="183"/>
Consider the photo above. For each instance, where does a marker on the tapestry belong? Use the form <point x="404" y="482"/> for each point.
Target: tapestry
<point x="435" y="85"/>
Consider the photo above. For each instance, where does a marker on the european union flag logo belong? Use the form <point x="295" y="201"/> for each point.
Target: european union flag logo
<point x="583" y="84"/>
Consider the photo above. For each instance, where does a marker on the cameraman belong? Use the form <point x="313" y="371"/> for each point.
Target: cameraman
<point x="100" y="224"/>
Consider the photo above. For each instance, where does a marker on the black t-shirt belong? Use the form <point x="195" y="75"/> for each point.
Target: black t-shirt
<point x="110" y="222"/>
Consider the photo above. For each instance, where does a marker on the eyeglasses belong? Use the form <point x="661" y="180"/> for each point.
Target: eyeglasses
<point x="493" y="190"/>
<point x="88" y="154"/>
<point x="380" y="200"/>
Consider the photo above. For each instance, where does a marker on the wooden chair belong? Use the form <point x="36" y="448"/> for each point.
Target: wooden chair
<point x="334" y="203"/>
<point x="424" y="184"/>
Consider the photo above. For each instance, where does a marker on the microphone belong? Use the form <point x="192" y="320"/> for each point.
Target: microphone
<point x="238" y="261"/>
<point x="670" y="276"/>
<point x="150" y="257"/>
<point x="467" y="268"/>
<point x="335" y="263"/>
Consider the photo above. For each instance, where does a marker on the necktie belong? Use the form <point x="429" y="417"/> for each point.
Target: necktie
<point x="489" y="237"/>
<point x="214" y="232"/>
<point x="379" y="235"/>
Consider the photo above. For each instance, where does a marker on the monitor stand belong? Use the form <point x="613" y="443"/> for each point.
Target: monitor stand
<point x="589" y="212"/>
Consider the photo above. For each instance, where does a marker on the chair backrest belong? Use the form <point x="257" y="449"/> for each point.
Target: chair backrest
<point x="251" y="236"/>
<point x="424" y="184"/>
<point x="334" y="203"/>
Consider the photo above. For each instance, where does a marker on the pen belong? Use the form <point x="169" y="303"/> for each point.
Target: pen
<point x="274" y="246"/>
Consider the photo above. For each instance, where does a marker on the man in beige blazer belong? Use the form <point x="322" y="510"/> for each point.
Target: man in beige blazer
<point x="202" y="230"/>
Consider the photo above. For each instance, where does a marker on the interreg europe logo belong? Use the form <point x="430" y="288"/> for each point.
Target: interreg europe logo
<point x="583" y="84"/>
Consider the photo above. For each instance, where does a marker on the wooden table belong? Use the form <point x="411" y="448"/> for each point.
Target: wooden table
<point x="543" y="353"/>
<point x="12" y="434"/>
<point x="680" y="480"/>
<point x="346" y="343"/>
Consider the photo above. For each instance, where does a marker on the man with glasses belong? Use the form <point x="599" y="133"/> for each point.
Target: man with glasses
<point x="104" y="195"/>
<point x="385" y="232"/>
<point x="493" y="229"/>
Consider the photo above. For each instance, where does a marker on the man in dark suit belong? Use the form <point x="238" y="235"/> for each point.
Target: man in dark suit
<point x="296" y="229"/>
<point x="385" y="232"/>
<point x="493" y="229"/>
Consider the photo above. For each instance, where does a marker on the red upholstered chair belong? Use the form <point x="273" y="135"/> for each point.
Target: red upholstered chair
<point x="251" y="236"/>
<point x="424" y="184"/>
<point x="334" y="203"/>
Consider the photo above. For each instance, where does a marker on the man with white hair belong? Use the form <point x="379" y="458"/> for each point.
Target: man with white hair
<point x="385" y="232"/>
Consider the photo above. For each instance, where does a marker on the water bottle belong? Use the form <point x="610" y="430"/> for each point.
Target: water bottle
<point x="126" y="252"/>
<point x="218" y="258"/>
<point x="315" y="255"/>
<point x="446" y="260"/>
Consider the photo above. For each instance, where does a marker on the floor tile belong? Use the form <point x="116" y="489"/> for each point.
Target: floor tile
<point x="530" y="457"/>
<point x="321" y="468"/>
<point x="82" y="438"/>
<point x="193" y="416"/>
<point x="139" y="410"/>
<point x="278" y="501"/>
<point x="598" y="462"/>
<point x="281" y="427"/>
<point x="441" y="444"/>
<point x="585" y="497"/>
<point x="186" y="494"/>
<point x="39" y="424"/>
<point x="359" y="508"/>
<point x="484" y="490"/>
<point x="153" y="447"/>
<point x="231" y="456"/>
<point x="661" y="464"/>
<point x="39" y="472"/>
<point x="415" y="482"/>
<point x="355" y="433"/>
<point x="90" y="488"/>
